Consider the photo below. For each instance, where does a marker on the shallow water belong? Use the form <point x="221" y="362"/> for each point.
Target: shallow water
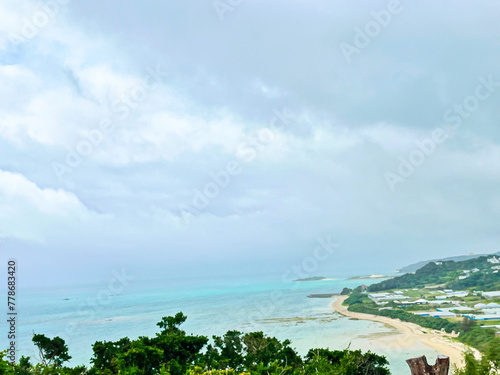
<point x="85" y="314"/>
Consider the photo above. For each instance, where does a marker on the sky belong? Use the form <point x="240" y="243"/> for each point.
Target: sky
<point x="172" y="139"/>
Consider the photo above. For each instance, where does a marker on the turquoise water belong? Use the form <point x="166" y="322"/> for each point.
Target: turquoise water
<point x="85" y="314"/>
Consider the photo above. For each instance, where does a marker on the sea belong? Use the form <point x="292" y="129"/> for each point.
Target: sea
<point x="121" y="307"/>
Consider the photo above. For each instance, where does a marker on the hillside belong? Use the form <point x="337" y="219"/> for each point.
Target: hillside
<point x="447" y="296"/>
<point x="479" y="273"/>
<point x="459" y="258"/>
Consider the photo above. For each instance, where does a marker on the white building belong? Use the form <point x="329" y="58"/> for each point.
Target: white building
<point x="492" y="294"/>
<point x="494" y="260"/>
<point x="482" y="306"/>
<point x="451" y="293"/>
<point x="462" y="293"/>
<point x="483" y="317"/>
<point x="437" y="314"/>
<point x="378" y="298"/>
<point x="420" y="301"/>
<point x="378" y="295"/>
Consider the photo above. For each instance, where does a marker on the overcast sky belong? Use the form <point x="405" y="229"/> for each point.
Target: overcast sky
<point x="183" y="138"/>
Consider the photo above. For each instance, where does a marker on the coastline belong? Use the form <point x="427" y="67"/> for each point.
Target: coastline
<point x="413" y="333"/>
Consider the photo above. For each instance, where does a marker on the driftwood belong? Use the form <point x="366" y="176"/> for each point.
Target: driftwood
<point x="419" y="366"/>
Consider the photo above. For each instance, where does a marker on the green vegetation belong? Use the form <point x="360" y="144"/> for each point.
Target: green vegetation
<point x="415" y="266"/>
<point x="346" y="291"/>
<point x="446" y="273"/>
<point x="371" y="308"/>
<point x="52" y="351"/>
<point x="489" y="364"/>
<point x="312" y="278"/>
<point x="173" y="352"/>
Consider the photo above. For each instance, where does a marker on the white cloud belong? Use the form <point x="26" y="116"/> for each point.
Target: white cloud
<point x="322" y="173"/>
<point x="32" y="213"/>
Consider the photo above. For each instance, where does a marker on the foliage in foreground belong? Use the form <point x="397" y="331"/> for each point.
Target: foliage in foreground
<point x="489" y="364"/>
<point x="173" y="352"/>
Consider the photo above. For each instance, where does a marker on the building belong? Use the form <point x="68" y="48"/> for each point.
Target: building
<point x="442" y="302"/>
<point x="482" y="306"/>
<point x="420" y="302"/>
<point x="461" y="293"/>
<point x="494" y="260"/>
<point x="492" y="294"/>
<point x="451" y="293"/>
<point x="483" y="317"/>
<point x="378" y="295"/>
<point x="379" y="298"/>
<point x="437" y="314"/>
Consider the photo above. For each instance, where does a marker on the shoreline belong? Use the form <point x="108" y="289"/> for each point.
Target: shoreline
<point x="413" y="333"/>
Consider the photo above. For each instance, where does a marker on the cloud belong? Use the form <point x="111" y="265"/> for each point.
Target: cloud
<point x="219" y="86"/>
<point x="30" y="212"/>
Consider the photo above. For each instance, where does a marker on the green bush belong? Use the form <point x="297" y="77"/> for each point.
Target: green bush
<point x="173" y="352"/>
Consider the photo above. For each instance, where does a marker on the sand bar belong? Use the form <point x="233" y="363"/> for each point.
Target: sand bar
<point x="412" y="333"/>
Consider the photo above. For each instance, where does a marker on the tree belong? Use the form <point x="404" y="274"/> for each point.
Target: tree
<point x="345" y="362"/>
<point x="493" y="352"/>
<point x="231" y="350"/>
<point x="467" y="324"/>
<point x="262" y="350"/>
<point x="171" y="324"/>
<point x="5" y="366"/>
<point x="24" y="367"/>
<point x="106" y="353"/>
<point x="346" y="291"/>
<point x="474" y="366"/>
<point x="179" y="349"/>
<point x="52" y="351"/>
<point x="171" y="351"/>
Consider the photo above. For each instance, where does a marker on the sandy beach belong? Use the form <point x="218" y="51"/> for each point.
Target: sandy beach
<point x="411" y="334"/>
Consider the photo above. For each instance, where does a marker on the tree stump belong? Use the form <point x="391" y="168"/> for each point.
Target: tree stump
<point x="419" y="366"/>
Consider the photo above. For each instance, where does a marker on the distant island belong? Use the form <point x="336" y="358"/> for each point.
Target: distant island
<point x="364" y="277"/>
<point x="312" y="278"/>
